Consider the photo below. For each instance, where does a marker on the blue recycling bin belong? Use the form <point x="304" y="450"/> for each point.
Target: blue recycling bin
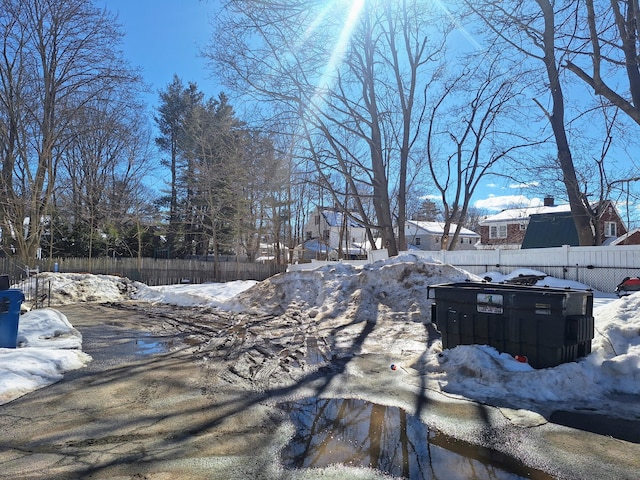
<point x="10" y="302"/>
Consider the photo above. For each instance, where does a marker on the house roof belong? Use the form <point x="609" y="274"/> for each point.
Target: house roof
<point x="629" y="238"/>
<point x="415" y="227"/>
<point x="315" y="246"/>
<point x="335" y="218"/>
<point x="512" y="215"/>
<point x="550" y="230"/>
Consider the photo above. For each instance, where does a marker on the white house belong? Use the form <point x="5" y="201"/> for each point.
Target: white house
<point x="268" y="252"/>
<point x="338" y="231"/>
<point x="428" y="235"/>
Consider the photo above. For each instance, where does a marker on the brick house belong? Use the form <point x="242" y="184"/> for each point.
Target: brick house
<point x="507" y="229"/>
<point x="610" y="225"/>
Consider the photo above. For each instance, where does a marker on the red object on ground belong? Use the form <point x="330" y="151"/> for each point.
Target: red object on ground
<point x="521" y="358"/>
<point x="393" y="367"/>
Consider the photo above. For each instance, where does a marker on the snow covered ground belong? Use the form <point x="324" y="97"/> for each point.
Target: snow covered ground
<point x="391" y="293"/>
<point x="49" y="346"/>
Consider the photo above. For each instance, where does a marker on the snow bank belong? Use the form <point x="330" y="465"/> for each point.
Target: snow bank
<point x="48" y="346"/>
<point x="69" y="288"/>
<point x="387" y="300"/>
<point x="47" y="328"/>
<point x="398" y="284"/>
<point x="616" y="345"/>
<point x="206" y="294"/>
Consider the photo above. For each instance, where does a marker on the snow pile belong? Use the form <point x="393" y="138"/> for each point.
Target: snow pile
<point x="616" y="346"/>
<point x="395" y="286"/>
<point x="206" y="294"/>
<point x="47" y="328"/>
<point x="48" y="347"/>
<point x="482" y="373"/>
<point x="379" y="309"/>
<point x="376" y="314"/>
<point x="69" y="288"/>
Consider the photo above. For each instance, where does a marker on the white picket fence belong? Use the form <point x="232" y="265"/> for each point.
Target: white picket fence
<point x="602" y="268"/>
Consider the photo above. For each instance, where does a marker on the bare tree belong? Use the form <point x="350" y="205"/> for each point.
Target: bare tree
<point x="100" y="181"/>
<point x="473" y="126"/>
<point x="532" y="31"/>
<point x="269" y="176"/>
<point x="612" y="49"/>
<point x="56" y="57"/>
<point x="353" y="77"/>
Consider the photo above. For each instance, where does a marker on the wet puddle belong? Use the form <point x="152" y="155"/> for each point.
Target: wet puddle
<point x="357" y="433"/>
<point x="151" y="345"/>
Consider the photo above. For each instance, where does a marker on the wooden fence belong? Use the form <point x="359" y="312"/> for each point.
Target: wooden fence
<point x="602" y="268"/>
<point x="151" y="271"/>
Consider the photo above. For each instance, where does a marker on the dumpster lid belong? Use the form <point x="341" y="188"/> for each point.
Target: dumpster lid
<point x="504" y="287"/>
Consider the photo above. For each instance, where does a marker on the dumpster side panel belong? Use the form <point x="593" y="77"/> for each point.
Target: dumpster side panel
<point x="580" y="328"/>
<point x="452" y="327"/>
<point x="542" y="356"/>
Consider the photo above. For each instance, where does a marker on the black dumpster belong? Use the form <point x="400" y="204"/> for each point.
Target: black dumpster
<point x="549" y="326"/>
<point x="10" y="302"/>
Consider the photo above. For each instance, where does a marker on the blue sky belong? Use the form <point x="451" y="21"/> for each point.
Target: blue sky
<point x="164" y="37"/>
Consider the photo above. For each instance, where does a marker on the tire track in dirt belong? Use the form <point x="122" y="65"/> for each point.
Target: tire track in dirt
<point x="251" y="351"/>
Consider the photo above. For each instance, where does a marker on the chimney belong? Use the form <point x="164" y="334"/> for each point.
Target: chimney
<point x="548" y="201"/>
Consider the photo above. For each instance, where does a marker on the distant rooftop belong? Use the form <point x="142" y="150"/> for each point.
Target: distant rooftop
<point x="513" y="214"/>
<point x="435" y="228"/>
<point x="551" y="230"/>
<point x="335" y="218"/>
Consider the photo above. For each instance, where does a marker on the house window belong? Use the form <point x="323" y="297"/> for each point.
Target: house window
<point x="610" y="229"/>
<point x="316" y="219"/>
<point x="418" y="239"/>
<point x="498" y="231"/>
<point x="309" y="235"/>
<point x="325" y="234"/>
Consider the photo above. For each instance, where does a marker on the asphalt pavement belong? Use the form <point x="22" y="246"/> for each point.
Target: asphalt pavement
<point x="149" y="406"/>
